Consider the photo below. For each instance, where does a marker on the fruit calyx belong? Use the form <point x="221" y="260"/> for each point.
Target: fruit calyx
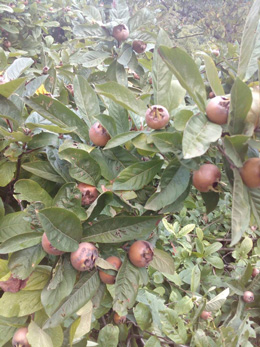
<point x="157" y="116"/>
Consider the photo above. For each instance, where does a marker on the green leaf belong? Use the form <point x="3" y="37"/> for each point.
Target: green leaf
<point x="121" y="139"/>
<point x="143" y="316"/>
<point x="14" y="224"/>
<point x="212" y="74"/>
<point x="108" y="336"/>
<point x="7" y="170"/>
<point x="236" y="148"/>
<point x="86" y="99"/>
<point x="174" y="182"/>
<point x="254" y="198"/>
<point x="198" y="134"/>
<point x="240" y="209"/>
<point x="167" y="142"/>
<point x="98" y="205"/>
<point x="9" y="111"/>
<point x="62" y="227"/>
<point x="43" y="169"/>
<point x="153" y="342"/>
<point x="181" y="118"/>
<point x="3" y="59"/>
<point x="20" y="304"/>
<point x="122" y="96"/>
<point x="85" y="320"/>
<point x="69" y="198"/>
<point x="89" y="59"/>
<point x="216" y="303"/>
<point x="120" y="116"/>
<point x="195" y="278"/>
<point x="248" y="38"/>
<point x="126" y="287"/>
<point x="136" y="176"/>
<point x="57" y="113"/>
<point x="215" y="261"/>
<point x="212" y="248"/>
<point x="83" y="167"/>
<point x="6" y="8"/>
<point x="59" y="287"/>
<point x="83" y="291"/>
<point x="31" y="191"/>
<point x="37" y="337"/>
<point x="21" y="241"/>
<point x="18" y="67"/>
<point x="60" y="166"/>
<point x="22" y="263"/>
<point x="33" y="85"/>
<point x="119" y="229"/>
<point x="187" y="73"/>
<point x="8" y="326"/>
<point x="7" y="89"/>
<point x="163" y="262"/>
<point x="241" y="100"/>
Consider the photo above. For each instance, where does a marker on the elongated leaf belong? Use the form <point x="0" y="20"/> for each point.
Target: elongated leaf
<point x="119" y="229"/>
<point x="122" y="96"/>
<point x="248" y="38"/>
<point x="241" y="100"/>
<point x="38" y="337"/>
<point x="43" y="169"/>
<point x="83" y="167"/>
<point x="120" y="116"/>
<point x="57" y="113"/>
<point x="83" y="291"/>
<point x="31" y="191"/>
<point x="167" y="142"/>
<point x="138" y="175"/>
<point x="62" y="227"/>
<point x="9" y="111"/>
<point x="86" y="99"/>
<point x="187" y="73"/>
<point x="163" y="262"/>
<point x="236" y="148"/>
<point x="174" y="182"/>
<point x="7" y="170"/>
<point x="18" y="67"/>
<point x="195" y="278"/>
<point x="21" y="241"/>
<point x="14" y="224"/>
<point x="254" y="198"/>
<point x="198" y="134"/>
<point x="21" y="303"/>
<point x="126" y="287"/>
<point x="22" y="263"/>
<point x="121" y="139"/>
<point x="240" y="209"/>
<point x="59" y="287"/>
<point x="216" y="303"/>
<point x="108" y="336"/>
<point x="212" y="74"/>
<point x="98" y="205"/>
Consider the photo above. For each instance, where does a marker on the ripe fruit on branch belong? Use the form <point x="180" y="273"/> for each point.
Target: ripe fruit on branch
<point x="119" y="319"/>
<point x="206" y="177"/>
<point x="255" y="272"/>
<point x="205" y="315"/>
<point x="157" y="117"/>
<point x="140" y="253"/>
<point x="89" y="193"/>
<point x="106" y="278"/>
<point x="253" y="115"/>
<point x="217" y="110"/>
<point x="98" y="135"/>
<point x="84" y="258"/>
<point x="47" y="246"/>
<point x="120" y="32"/>
<point x="248" y="296"/>
<point x="139" y="46"/>
<point x="20" y="339"/>
<point x="250" y="173"/>
<point x="45" y="70"/>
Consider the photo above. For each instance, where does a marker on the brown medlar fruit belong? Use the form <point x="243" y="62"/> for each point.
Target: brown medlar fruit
<point x="84" y="258"/>
<point x="157" y="117"/>
<point x="255" y="272"/>
<point x="106" y="278"/>
<point x="45" y="70"/>
<point x="217" y="110"/>
<point x="120" y="32"/>
<point x="139" y="46"/>
<point x="20" y="339"/>
<point x="89" y="193"/>
<point x="47" y="246"/>
<point x="140" y="253"/>
<point x="98" y="135"/>
<point x="119" y="319"/>
<point x="206" y="177"/>
<point x="250" y="173"/>
<point x="248" y="296"/>
<point x="205" y="315"/>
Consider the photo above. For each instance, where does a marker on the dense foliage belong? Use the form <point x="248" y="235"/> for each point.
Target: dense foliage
<point x="66" y="180"/>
